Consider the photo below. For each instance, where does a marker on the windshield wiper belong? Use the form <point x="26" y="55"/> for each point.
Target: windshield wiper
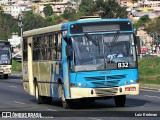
<point x="91" y="39"/>
<point x="115" y="38"/>
<point x="110" y="44"/>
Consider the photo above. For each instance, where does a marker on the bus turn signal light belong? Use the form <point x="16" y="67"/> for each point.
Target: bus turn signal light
<point x="137" y="81"/>
<point x="72" y="84"/>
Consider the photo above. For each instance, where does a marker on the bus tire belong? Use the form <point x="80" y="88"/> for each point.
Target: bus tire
<point x="39" y="99"/>
<point x="120" y="100"/>
<point x="48" y="100"/>
<point x="5" y="76"/>
<point x="65" y="103"/>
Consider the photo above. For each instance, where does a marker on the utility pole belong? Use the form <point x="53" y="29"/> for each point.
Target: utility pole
<point x="20" y="24"/>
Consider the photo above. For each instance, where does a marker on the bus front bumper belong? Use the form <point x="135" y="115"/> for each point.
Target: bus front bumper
<point x="132" y="89"/>
<point x="5" y="70"/>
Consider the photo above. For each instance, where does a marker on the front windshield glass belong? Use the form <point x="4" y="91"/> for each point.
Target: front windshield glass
<point x="112" y="51"/>
<point x="5" y="55"/>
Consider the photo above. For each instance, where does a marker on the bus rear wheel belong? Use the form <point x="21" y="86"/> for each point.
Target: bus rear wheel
<point x="39" y="99"/>
<point x="120" y="100"/>
<point x="65" y="103"/>
<point x="5" y="76"/>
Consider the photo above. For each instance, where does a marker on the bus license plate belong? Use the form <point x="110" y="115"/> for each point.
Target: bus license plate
<point x="130" y="89"/>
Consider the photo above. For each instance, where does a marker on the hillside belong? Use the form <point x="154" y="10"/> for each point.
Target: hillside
<point x="149" y="70"/>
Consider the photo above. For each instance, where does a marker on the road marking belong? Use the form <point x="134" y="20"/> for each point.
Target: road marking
<point x="51" y="110"/>
<point x="13" y="86"/>
<point x="18" y="102"/>
<point x="94" y="118"/>
<point x="151" y="96"/>
<point x="141" y="106"/>
<point x="130" y="105"/>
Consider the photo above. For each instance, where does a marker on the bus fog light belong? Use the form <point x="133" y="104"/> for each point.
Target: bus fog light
<point x="126" y="82"/>
<point x="120" y="89"/>
<point x="131" y="81"/>
<point x="79" y="84"/>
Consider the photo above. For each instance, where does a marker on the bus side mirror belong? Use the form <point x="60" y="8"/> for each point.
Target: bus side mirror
<point x="135" y="39"/>
<point x="68" y="51"/>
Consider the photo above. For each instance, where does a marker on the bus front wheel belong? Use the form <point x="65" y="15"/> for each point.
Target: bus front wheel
<point x="39" y="99"/>
<point x="5" y="76"/>
<point x="65" y="103"/>
<point x="120" y="100"/>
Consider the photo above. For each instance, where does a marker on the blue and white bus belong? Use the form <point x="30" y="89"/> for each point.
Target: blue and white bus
<point x="87" y="59"/>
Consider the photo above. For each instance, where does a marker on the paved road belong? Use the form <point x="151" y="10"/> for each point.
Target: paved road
<point x="14" y="98"/>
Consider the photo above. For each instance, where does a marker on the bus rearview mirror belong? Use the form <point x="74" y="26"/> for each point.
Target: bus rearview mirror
<point x="68" y="51"/>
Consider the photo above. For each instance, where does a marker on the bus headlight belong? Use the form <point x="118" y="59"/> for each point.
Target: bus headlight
<point x="131" y="81"/>
<point x="4" y="61"/>
<point x="79" y="84"/>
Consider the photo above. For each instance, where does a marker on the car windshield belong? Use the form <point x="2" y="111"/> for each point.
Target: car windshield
<point x="106" y="51"/>
<point x="5" y="56"/>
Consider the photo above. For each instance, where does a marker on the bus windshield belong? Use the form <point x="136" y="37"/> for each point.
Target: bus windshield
<point x="5" y="55"/>
<point x="110" y="50"/>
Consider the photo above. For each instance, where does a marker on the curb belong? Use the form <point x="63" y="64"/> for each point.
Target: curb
<point x="150" y="87"/>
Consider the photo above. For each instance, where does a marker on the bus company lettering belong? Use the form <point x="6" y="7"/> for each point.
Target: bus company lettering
<point x="108" y="72"/>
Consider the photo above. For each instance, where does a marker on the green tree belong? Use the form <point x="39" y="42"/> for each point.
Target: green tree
<point x="53" y="19"/>
<point x="49" y="20"/>
<point x="153" y="25"/>
<point x="106" y="9"/>
<point x="48" y="11"/>
<point x="57" y="19"/>
<point x="7" y="22"/>
<point x="110" y="9"/>
<point x="33" y="21"/>
<point x="86" y="8"/>
<point x="70" y="15"/>
<point x="142" y="22"/>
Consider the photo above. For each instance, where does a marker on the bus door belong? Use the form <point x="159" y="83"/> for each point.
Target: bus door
<point x="58" y="72"/>
<point x="58" y="65"/>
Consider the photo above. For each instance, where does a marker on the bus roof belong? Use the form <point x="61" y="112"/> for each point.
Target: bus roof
<point x="43" y="30"/>
<point x="64" y="26"/>
<point x="100" y="20"/>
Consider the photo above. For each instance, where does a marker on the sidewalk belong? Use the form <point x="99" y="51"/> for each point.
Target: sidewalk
<point x="16" y="74"/>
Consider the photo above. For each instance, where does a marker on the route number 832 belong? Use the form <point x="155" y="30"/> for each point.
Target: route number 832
<point x="122" y="65"/>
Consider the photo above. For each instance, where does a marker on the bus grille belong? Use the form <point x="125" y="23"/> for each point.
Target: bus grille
<point x="106" y="92"/>
<point x="105" y="81"/>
